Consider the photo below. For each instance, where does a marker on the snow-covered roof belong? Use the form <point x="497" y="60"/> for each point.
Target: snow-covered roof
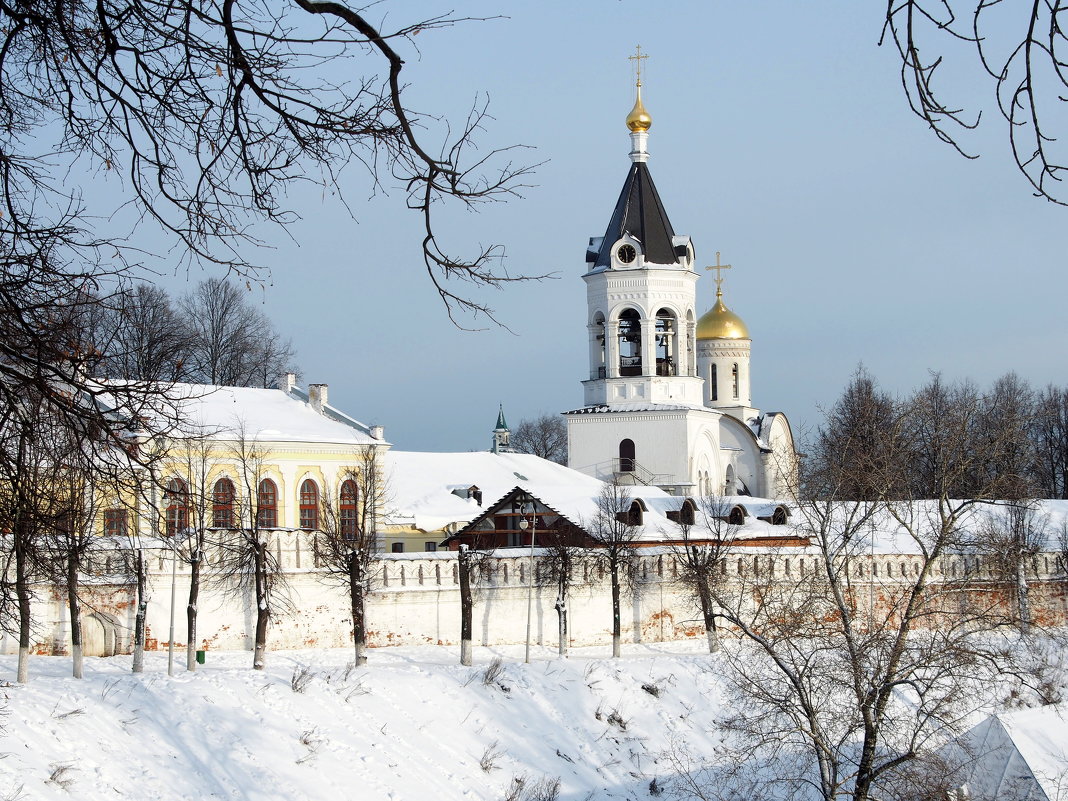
<point x="888" y="536"/>
<point x="271" y="415"/>
<point x="642" y="407"/>
<point x="421" y="484"/>
<point x="1020" y="755"/>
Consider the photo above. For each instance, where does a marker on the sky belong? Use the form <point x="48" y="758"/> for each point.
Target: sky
<point x="780" y="137"/>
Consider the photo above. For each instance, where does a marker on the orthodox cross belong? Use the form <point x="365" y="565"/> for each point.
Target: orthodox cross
<point x="719" y="268"/>
<point x="637" y="59"/>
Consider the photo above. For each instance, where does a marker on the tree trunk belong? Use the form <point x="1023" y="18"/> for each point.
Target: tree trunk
<point x="191" y="612"/>
<point x="561" y="618"/>
<point x="263" y="612"/>
<point x="466" y="606"/>
<point x="706" y="612"/>
<point x="359" y="621"/>
<point x="1023" y="601"/>
<point x="616" y="628"/>
<point x="22" y="591"/>
<point x="75" y="614"/>
<point x="142" y="610"/>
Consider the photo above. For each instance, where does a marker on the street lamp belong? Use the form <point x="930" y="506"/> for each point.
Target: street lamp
<point x="533" y="526"/>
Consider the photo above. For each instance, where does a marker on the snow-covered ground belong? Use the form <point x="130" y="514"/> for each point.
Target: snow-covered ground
<point x="412" y="724"/>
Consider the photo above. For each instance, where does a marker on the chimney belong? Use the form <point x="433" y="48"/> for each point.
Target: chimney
<point x="317" y="396"/>
<point x="289" y="380"/>
<point x="378" y="432"/>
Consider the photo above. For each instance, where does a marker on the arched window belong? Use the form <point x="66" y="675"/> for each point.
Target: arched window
<point x="734" y="379"/>
<point x="630" y="343"/>
<point x="667" y="356"/>
<point x="686" y="513"/>
<point x="626" y="456"/>
<point x="309" y="505"/>
<point x="176" y="501"/>
<point x="267" y="505"/>
<point x="713" y="384"/>
<point x="222" y="504"/>
<point x="348" y="521"/>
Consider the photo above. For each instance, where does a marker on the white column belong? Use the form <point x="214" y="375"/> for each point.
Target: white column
<point x="611" y="340"/>
<point x="648" y="346"/>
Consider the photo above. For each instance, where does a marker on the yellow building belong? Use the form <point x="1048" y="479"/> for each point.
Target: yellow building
<point x="279" y="458"/>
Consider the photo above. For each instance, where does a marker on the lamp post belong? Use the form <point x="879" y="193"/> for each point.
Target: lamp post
<point x="174" y="589"/>
<point x="533" y="526"/>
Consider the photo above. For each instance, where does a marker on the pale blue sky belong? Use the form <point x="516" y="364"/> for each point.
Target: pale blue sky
<point x="780" y="137"/>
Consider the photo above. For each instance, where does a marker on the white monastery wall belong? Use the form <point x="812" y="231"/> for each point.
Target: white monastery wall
<point x="417" y="601"/>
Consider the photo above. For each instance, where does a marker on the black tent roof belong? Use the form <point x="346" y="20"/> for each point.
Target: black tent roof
<point x="640" y="214"/>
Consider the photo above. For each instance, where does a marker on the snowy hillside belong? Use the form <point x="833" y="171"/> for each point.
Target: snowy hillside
<point x="413" y="724"/>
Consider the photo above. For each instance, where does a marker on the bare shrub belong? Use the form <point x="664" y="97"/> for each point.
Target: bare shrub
<point x="61" y="774"/>
<point x="493" y="672"/>
<point x="301" y="678"/>
<point x="488" y="760"/>
<point x="544" y="789"/>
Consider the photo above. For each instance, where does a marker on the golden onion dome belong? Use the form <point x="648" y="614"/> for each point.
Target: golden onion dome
<point x="639" y="119"/>
<point x="719" y="322"/>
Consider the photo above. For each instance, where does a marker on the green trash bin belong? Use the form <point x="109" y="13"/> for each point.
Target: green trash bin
<point x="201" y="655"/>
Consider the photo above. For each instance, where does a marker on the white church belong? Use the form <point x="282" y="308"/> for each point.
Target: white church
<point x="668" y="401"/>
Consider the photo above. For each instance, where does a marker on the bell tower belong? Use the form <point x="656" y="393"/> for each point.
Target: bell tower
<point x="641" y="293"/>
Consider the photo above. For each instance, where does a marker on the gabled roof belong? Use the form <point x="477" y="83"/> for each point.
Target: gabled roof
<point x="640" y="214"/>
<point x="421" y="484"/>
<point x="266" y="415"/>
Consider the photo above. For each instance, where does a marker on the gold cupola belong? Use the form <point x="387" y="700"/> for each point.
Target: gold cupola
<point x="639" y="119"/>
<point x="719" y="322"/>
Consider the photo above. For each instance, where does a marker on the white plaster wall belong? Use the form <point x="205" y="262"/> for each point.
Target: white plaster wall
<point x="663" y="441"/>
<point x="412" y="607"/>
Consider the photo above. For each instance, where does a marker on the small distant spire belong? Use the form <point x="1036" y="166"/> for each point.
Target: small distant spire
<point x="501" y="434"/>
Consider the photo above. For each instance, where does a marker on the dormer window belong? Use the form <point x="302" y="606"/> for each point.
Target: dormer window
<point x="472" y="493"/>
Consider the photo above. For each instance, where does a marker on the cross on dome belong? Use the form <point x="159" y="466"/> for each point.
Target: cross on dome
<point x="719" y="268"/>
<point x="637" y="59"/>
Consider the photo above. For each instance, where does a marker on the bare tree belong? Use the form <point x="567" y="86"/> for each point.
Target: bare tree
<point x="76" y="490"/>
<point x="348" y="545"/>
<point x="26" y="512"/>
<point x="231" y="343"/>
<point x="702" y="555"/>
<point x="1009" y="539"/>
<point x="848" y="669"/>
<point x="851" y="445"/>
<point x="614" y="529"/>
<point x="1049" y="432"/>
<point x="1020" y="52"/>
<point x="562" y="555"/>
<point x="544" y="436"/>
<point x="210" y="115"/>
<point x="211" y="504"/>
<point x="145" y="338"/>
<point x="249" y="565"/>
